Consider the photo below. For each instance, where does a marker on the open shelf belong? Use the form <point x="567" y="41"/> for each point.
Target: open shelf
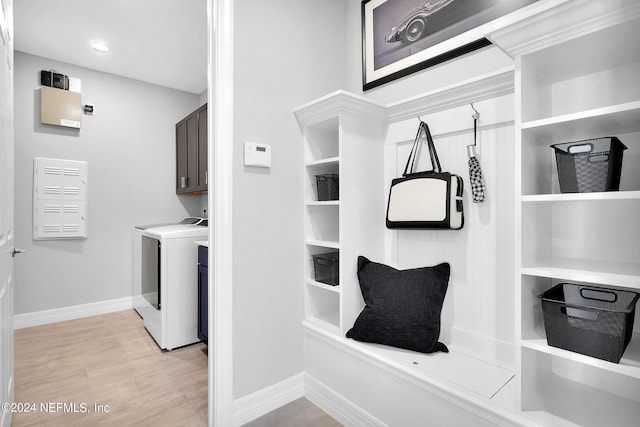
<point x="324" y="286"/>
<point x="317" y="249"/>
<point x="575" y="197"/>
<point x="331" y="163"/>
<point x="629" y="364"/>
<point x="320" y="167"/>
<point x="323" y="324"/>
<point x="321" y="140"/>
<point x="573" y="27"/>
<point x="540" y="172"/>
<point x="586" y="270"/>
<point x="582" y="238"/>
<point x="534" y="332"/>
<point x="581" y="82"/>
<point x="557" y="391"/>
<point x="336" y="130"/>
<point x="324" y="203"/>
<point x="322" y="222"/>
<point x="322" y="306"/>
<point x="323" y="244"/>
<point x="321" y="148"/>
<point x="609" y="120"/>
<point x="584" y="73"/>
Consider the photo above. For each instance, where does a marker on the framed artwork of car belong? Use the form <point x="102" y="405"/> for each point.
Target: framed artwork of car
<point x="401" y="37"/>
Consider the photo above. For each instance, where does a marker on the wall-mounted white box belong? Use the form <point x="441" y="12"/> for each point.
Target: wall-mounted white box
<point x="59" y="199"/>
<point x="257" y="154"/>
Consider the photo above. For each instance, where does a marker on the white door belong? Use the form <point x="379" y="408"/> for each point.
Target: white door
<point x="6" y="209"/>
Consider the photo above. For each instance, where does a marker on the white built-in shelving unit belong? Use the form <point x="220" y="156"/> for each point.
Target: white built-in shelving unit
<point x="338" y="131"/>
<point x="577" y="77"/>
<point x="363" y="142"/>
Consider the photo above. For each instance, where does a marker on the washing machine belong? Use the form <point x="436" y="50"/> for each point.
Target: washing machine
<point x="165" y="279"/>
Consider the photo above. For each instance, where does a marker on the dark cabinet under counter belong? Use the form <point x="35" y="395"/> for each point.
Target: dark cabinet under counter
<point x="203" y="292"/>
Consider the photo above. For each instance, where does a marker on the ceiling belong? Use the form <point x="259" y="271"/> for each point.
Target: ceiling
<point x="157" y="41"/>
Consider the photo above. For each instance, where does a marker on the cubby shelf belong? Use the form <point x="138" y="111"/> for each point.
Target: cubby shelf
<point x="595" y="271"/>
<point x="588" y="238"/>
<point x="323" y="244"/>
<point x="573" y="197"/>
<point x="562" y="402"/>
<point x="323" y="162"/>
<point x="324" y="203"/>
<point x="629" y="365"/>
<point x="322" y="221"/>
<point x="323" y="324"/>
<point x="323" y="286"/>
<point x="337" y="130"/>
<point x="610" y="120"/>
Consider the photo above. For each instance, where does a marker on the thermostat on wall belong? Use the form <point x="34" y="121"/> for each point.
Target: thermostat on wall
<point x="257" y="154"/>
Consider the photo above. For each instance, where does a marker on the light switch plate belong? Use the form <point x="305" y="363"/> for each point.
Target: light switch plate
<point x="257" y="154"/>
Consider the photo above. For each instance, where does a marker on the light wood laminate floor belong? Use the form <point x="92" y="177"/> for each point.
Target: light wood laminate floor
<point x="107" y="360"/>
<point x="111" y="360"/>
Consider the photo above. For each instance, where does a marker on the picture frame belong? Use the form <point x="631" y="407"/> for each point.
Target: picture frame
<point x="402" y="37"/>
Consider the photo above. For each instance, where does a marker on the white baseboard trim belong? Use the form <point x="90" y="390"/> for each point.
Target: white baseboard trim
<point x="263" y="401"/>
<point x="45" y="317"/>
<point x="337" y="406"/>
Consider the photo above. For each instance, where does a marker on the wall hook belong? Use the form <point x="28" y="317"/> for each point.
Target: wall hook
<point x="476" y="116"/>
<point x="475" y="172"/>
<point x="471" y="148"/>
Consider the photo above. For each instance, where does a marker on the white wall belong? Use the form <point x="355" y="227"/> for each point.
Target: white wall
<point x="286" y="54"/>
<point x="129" y="145"/>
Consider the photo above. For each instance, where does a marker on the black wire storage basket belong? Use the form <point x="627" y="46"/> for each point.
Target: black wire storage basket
<point x="328" y="187"/>
<point x="590" y="320"/>
<point x="327" y="268"/>
<point x="590" y="165"/>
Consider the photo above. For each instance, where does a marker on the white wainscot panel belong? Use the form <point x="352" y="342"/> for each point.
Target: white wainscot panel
<point x="481" y="254"/>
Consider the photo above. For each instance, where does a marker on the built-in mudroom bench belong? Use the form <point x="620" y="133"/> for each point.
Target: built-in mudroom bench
<point x="499" y="369"/>
<point x="366" y="145"/>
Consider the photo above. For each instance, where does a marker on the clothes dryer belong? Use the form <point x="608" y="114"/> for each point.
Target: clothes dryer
<point x="165" y="280"/>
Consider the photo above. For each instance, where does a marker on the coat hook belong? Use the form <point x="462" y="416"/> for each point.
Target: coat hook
<point x="477" y="113"/>
<point x="471" y="148"/>
<point x="475" y="172"/>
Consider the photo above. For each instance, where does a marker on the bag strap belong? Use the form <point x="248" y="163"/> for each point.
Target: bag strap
<point x="413" y="151"/>
<point x="435" y="162"/>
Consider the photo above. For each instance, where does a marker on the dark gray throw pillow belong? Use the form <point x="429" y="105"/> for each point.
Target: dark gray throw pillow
<point x="402" y="307"/>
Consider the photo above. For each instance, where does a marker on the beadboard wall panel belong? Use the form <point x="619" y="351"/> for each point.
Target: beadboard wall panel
<point x="481" y="254"/>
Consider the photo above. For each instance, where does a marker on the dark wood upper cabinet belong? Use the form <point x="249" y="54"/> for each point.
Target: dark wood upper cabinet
<point x="203" y="173"/>
<point x="182" y="175"/>
<point x="191" y="153"/>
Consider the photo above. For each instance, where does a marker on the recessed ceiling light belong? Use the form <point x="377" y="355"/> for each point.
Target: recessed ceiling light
<point x="100" y="46"/>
